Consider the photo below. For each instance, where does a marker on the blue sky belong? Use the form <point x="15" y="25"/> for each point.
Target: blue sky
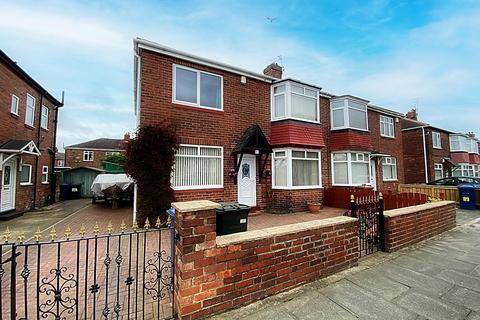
<point x="397" y="54"/>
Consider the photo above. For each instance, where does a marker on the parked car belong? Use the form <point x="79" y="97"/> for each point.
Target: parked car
<point x="454" y="181"/>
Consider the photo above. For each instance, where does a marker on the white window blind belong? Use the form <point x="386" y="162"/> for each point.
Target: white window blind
<point x="198" y="167"/>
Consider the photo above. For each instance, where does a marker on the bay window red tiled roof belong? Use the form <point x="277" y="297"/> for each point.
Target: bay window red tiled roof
<point x="350" y="140"/>
<point x="289" y="133"/>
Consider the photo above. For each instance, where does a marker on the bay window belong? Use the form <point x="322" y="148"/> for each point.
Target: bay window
<point x="198" y="167"/>
<point x="459" y="143"/>
<point x="197" y="88"/>
<point x="296" y="169"/>
<point x="291" y="100"/>
<point x="348" y="112"/>
<point x="350" y="168"/>
<point x="389" y="168"/>
<point x="464" y="170"/>
<point x="387" y="126"/>
<point x="438" y="169"/>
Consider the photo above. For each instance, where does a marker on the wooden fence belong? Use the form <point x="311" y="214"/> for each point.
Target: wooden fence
<point x="439" y="192"/>
<point x="340" y="198"/>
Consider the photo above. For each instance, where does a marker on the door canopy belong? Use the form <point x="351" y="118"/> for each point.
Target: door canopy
<point x="13" y="148"/>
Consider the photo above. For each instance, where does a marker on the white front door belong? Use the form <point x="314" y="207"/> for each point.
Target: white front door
<point x="373" y="175"/>
<point x="7" y="197"/>
<point x="247" y="182"/>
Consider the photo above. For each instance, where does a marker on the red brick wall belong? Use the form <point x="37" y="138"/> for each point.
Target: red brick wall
<point x="295" y="200"/>
<point x="213" y="276"/>
<point x="14" y="127"/>
<point x="406" y="226"/>
<point x="74" y="158"/>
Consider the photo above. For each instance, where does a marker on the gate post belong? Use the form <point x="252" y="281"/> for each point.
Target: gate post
<point x="381" y="223"/>
<point x="353" y="207"/>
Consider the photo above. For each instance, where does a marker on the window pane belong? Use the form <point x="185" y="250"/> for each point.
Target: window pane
<point x="214" y="152"/>
<point x="210" y="91"/>
<point x="279" y="106"/>
<point x="186" y="85"/>
<point x="25" y="174"/>
<point x="311" y="93"/>
<point x="304" y="107"/>
<point x="338" y="104"/>
<point x="280" y="154"/>
<point x="338" y="118"/>
<point x="357" y="119"/>
<point x="305" y="173"/>
<point x="193" y="171"/>
<point x="279" y="89"/>
<point x="340" y="173"/>
<point x="356" y="105"/>
<point x="297" y="89"/>
<point x="339" y="157"/>
<point x="298" y="154"/>
<point x="187" y="150"/>
<point x="312" y="155"/>
<point x="360" y="173"/>
<point x="280" y="167"/>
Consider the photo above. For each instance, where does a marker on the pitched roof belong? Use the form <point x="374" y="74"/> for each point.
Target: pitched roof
<point x="251" y="140"/>
<point x="101" y="143"/>
<point x="14" y="144"/>
<point x="408" y="124"/>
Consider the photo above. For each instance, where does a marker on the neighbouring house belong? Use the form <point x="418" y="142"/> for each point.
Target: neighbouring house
<point x="91" y="153"/>
<point x="426" y="150"/>
<point x="28" y="117"/>
<point x="259" y="139"/>
<point x="464" y="151"/>
<point x="59" y="160"/>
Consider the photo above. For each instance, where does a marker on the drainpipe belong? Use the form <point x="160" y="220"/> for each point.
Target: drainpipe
<point x="53" y="181"/>
<point x="136" y="100"/>
<point x="35" y="177"/>
<point x="425" y="155"/>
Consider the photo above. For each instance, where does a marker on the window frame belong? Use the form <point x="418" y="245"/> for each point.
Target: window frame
<point x="29" y="183"/>
<point x="288" y="101"/>
<point x="42" y="116"/>
<point x="437" y="145"/>
<point x="437" y="167"/>
<point x="33" y="110"/>
<point x="200" y="187"/>
<point x="346" y="115"/>
<point x="463" y="146"/>
<point x="17" y="105"/>
<point x="289" y="157"/>
<point x="383" y="121"/>
<point x="392" y="164"/>
<point x="45" y="175"/>
<point x="349" y="162"/>
<point x="85" y="152"/>
<point x="199" y="72"/>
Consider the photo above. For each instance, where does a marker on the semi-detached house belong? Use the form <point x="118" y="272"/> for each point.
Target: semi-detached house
<point x="259" y="139"/>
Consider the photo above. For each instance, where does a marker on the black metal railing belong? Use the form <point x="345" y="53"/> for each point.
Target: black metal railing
<point x="371" y="233"/>
<point x="127" y="274"/>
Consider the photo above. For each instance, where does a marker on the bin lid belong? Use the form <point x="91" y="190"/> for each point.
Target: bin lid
<point x="231" y="206"/>
<point x="467" y="186"/>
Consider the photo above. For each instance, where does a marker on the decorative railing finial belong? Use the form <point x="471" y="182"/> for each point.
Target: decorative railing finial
<point x="53" y="234"/>
<point x="83" y="231"/>
<point x="110" y="227"/>
<point x="68" y="232"/>
<point x="38" y="235"/>
<point x="158" y="224"/>
<point x="7" y="235"/>
<point x="21" y="237"/>
<point x="147" y="224"/>
<point x="123" y="227"/>
<point x="96" y="229"/>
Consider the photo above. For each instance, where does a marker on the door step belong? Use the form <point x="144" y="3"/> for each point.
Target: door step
<point x="7" y="215"/>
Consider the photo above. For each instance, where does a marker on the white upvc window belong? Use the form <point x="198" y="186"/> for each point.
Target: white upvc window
<point x="387" y="126"/>
<point x="14" y="105"/>
<point x="436" y="140"/>
<point x="476" y="169"/>
<point x="464" y="170"/>
<point x="87" y="155"/>
<point x="44" y="119"/>
<point x="389" y="168"/>
<point x="459" y="143"/>
<point x="350" y="168"/>
<point x="197" y="88"/>
<point x="438" y="169"/>
<point x="473" y="146"/>
<point x="111" y="153"/>
<point x="291" y="100"/>
<point x="348" y="113"/>
<point x="30" y="111"/>
<point x="25" y="174"/>
<point x="44" y="174"/>
<point x="296" y="169"/>
<point x="198" y="167"/>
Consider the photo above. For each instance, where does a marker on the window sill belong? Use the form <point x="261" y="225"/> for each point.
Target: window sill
<point x="26" y="184"/>
<point x="181" y="104"/>
<point x="296" y="119"/>
<point x="298" y="188"/>
<point x="349" y="128"/>
<point x="45" y="182"/>
<point x="388" y="137"/>
<point x="197" y="188"/>
<point x="390" y="180"/>
<point x="438" y="148"/>
<point x="45" y="129"/>
<point x="352" y="185"/>
<point x="29" y="127"/>
<point x="14" y="115"/>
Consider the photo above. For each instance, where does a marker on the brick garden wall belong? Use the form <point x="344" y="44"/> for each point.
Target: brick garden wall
<point x="214" y="274"/>
<point x="407" y="226"/>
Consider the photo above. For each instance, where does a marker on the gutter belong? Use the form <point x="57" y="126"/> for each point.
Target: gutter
<point x="35" y="180"/>
<point x="425" y="154"/>
<point x="53" y="181"/>
<point x="137" y="84"/>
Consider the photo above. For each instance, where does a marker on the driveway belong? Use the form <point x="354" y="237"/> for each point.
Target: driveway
<point x="437" y="279"/>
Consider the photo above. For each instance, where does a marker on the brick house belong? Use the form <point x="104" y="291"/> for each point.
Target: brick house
<point x="257" y="138"/>
<point x="27" y="140"/>
<point x="91" y="153"/>
<point x="464" y="152"/>
<point x="426" y="151"/>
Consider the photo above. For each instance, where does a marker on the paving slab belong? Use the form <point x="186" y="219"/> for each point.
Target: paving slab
<point x="363" y="303"/>
<point x="382" y="286"/>
<point x="442" y="260"/>
<point x="460" y="279"/>
<point x="463" y="297"/>
<point x="316" y="307"/>
<point x="417" y="265"/>
<point x="432" y="308"/>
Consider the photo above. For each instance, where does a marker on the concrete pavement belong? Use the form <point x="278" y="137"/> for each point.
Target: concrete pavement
<point x="436" y="279"/>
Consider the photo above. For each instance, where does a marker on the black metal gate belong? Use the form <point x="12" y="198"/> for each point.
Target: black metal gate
<point x="128" y="274"/>
<point x="371" y="232"/>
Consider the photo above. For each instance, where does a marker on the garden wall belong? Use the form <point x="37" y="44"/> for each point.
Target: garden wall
<point x="214" y="274"/>
<point x="407" y="226"/>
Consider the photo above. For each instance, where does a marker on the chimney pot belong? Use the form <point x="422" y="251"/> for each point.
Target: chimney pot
<point x="412" y="114"/>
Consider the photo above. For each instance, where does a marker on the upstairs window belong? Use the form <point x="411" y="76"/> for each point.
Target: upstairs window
<point x="14" y="105"/>
<point x="294" y="101"/>
<point x="347" y="112"/>
<point x="437" y="140"/>
<point x="30" y="111"/>
<point x="44" y="120"/>
<point x="87" y="155"/>
<point x="389" y="168"/>
<point x="473" y="146"/>
<point x="387" y="126"/>
<point x="197" y="88"/>
<point x="459" y="143"/>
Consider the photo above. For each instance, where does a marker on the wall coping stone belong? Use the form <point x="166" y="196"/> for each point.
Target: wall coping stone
<point x="196" y="205"/>
<point x="417" y="208"/>
<point x="240" y="237"/>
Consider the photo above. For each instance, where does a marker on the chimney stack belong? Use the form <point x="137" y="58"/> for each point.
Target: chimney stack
<point x="273" y="70"/>
<point x="412" y="114"/>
